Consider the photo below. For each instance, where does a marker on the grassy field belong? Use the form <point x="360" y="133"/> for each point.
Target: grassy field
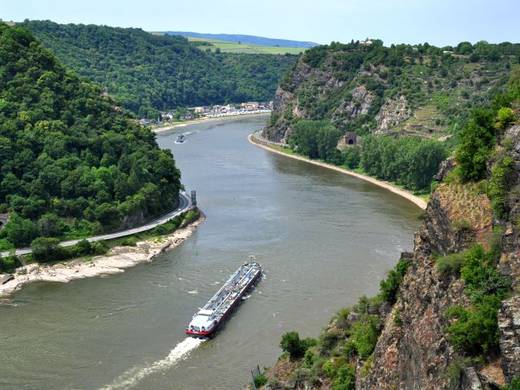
<point x="237" y="47"/>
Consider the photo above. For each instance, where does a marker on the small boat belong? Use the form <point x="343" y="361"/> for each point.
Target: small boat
<point x="215" y="312"/>
<point x="180" y="139"/>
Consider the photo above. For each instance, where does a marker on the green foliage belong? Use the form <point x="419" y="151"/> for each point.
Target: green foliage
<point x="19" y="231"/>
<point x="364" y="334"/>
<point x="409" y="161"/>
<point x="390" y="286"/>
<point x="514" y="385"/>
<point x="147" y="72"/>
<point x="46" y="249"/>
<point x="72" y="164"/>
<point x="316" y="139"/>
<point x="450" y="264"/>
<point x="423" y="74"/>
<point x="351" y="156"/>
<point x="498" y="184"/>
<point x="260" y="380"/>
<point x="345" y="378"/>
<point x="295" y="346"/>
<point x="474" y="330"/>
<point x="9" y="263"/>
<point x="481" y="276"/>
<point x="505" y="117"/>
<point x="477" y="139"/>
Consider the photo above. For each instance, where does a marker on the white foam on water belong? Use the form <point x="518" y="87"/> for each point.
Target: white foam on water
<point x="133" y="376"/>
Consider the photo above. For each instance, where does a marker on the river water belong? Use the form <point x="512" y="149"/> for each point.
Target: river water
<point x="323" y="238"/>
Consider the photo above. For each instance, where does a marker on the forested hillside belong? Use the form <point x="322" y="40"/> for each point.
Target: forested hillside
<point x="71" y="162"/>
<point x="147" y="72"/>
<point x="407" y="103"/>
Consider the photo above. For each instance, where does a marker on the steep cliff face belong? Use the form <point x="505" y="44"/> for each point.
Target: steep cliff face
<point x="413" y="348"/>
<point x="366" y="87"/>
<point x="416" y="354"/>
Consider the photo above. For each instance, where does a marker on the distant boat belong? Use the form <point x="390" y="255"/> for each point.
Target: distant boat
<point x="180" y="139"/>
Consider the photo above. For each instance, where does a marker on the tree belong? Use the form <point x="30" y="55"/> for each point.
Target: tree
<point x="476" y="141"/>
<point x="292" y="344"/>
<point x="46" y="249"/>
<point x="20" y="231"/>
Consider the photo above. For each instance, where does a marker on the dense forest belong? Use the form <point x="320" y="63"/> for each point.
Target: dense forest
<point x="71" y="162"/>
<point x="147" y="73"/>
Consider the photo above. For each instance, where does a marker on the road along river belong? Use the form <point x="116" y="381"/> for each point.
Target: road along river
<point x="323" y="238"/>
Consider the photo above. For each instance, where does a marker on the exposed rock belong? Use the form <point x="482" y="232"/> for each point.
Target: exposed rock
<point x="509" y="328"/>
<point x="392" y="113"/>
<point x="360" y="104"/>
<point x="470" y="379"/>
<point x="445" y="168"/>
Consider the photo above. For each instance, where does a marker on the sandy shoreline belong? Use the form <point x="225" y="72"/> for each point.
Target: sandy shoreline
<point x="163" y="129"/>
<point x="114" y="262"/>
<point x="383" y="184"/>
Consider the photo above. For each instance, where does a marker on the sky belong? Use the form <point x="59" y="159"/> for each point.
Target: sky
<point x="438" y="22"/>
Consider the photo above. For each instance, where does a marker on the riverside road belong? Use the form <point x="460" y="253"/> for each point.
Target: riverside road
<point x="184" y="205"/>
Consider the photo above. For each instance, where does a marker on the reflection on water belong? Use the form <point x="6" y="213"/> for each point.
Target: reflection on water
<point x="323" y="238"/>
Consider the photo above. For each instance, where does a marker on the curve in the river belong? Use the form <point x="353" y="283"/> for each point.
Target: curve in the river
<point x="323" y="239"/>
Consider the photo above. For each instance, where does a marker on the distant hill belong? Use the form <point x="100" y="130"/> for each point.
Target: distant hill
<point x="147" y="72"/>
<point x="247" y="39"/>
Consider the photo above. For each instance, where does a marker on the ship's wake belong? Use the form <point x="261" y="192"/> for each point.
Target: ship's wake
<point x="133" y="376"/>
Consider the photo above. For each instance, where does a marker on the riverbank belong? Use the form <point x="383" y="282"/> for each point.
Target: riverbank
<point x="115" y="261"/>
<point x="163" y="129"/>
<point x="264" y="144"/>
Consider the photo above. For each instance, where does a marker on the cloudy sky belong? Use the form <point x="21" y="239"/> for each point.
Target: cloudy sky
<point x="440" y="22"/>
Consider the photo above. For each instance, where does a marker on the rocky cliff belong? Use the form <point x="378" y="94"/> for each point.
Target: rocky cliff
<point x="402" y="338"/>
<point x="366" y="87"/>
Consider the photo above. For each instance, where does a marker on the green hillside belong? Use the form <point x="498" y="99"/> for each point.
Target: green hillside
<point x="147" y="72"/>
<point x="72" y="163"/>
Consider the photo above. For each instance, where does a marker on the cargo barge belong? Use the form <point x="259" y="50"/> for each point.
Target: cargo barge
<point x="208" y="319"/>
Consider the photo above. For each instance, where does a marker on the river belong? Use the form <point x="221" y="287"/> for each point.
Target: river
<point x="323" y="238"/>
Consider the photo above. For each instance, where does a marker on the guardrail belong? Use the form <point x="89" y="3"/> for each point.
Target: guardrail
<point x="185" y="204"/>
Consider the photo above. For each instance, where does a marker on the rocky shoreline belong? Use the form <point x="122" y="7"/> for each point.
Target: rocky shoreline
<point x="114" y="262"/>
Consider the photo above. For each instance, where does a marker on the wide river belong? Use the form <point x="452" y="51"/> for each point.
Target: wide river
<point x="323" y="238"/>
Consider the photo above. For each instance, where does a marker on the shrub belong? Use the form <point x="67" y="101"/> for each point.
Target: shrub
<point x="451" y="264"/>
<point x="46" y="249"/>
<point x="474" y="330"/>
<point x="364" y="334"/>
<point x="498" y="184"/>
<point x="9" y="263"/>
<point x="295" y="346"/>
<point x="260" y="380"/>
<point x="20" y="231"/>
<point x="345" y="378"/>
<point x="129" y="241"/>
<point x="477" y="139"/>
<point x="352" y="157"/>
<point x="328" y="341"/>
<point x="505" y="117"/>
<point x="481" y="276"/>
<point x="390" y="286"/>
